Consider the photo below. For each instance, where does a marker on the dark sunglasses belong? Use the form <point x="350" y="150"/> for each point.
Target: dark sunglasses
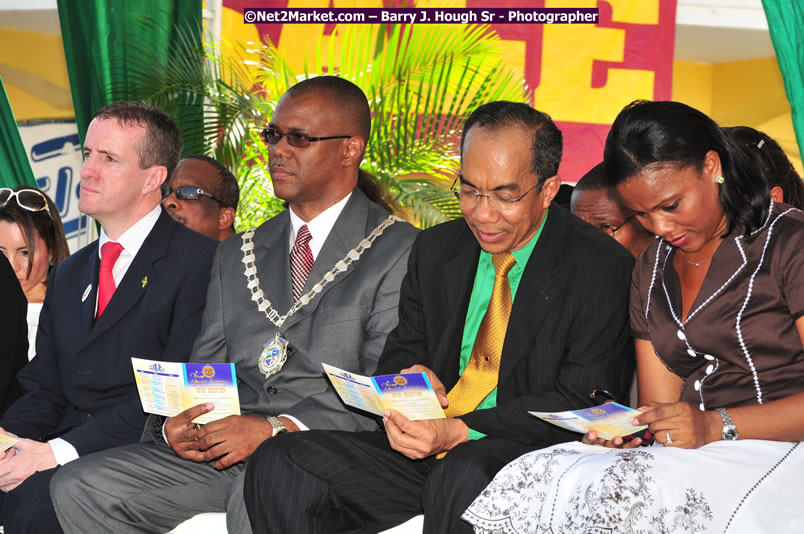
<point x="27" y="199"/>
<point x="189" y="192"/>
<point x="272" y="136"/>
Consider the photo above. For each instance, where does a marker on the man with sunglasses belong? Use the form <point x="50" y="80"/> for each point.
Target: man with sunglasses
<point x="318" y="283"/>
<point x="137" y="291"/>
<point x="596" y="203"/>
<point x="518" y="307"/>
<point x="202" y="195"/>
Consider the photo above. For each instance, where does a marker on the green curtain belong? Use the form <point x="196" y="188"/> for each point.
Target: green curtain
<point x="15" y="167"/>
<point x="97" y="35"/>
<point x="785" y="23"/>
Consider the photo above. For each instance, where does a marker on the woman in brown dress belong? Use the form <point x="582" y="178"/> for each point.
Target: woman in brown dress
<point x="717" y="310"/>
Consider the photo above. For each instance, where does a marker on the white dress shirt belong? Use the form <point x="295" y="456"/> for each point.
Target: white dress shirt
<point x="320" y="226"/>
<point x="132" y="240"/>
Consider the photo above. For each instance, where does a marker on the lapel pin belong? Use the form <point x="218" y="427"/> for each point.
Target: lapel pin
<point x="145" y="281"/>
<point x="86" y="293"/>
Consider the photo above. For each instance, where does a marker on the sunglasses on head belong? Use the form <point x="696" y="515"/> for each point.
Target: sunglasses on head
<point x="272" y="136"/>
<point x="28" y="199"/>
<point x="190" y="192"/>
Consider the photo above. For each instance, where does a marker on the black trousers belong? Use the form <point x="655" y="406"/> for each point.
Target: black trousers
<point x="28" y="508"/>
<point x="350" y="482"/>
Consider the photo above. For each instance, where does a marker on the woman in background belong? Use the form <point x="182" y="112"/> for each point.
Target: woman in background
<point x="783" y="181"/>
<point x="32" y="238"/>
<point x="717" y="310"/>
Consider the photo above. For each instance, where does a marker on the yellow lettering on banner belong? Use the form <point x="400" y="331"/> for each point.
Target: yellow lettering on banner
<point x="235" y="35"/>
<point x="513" y="53"/>
<point x="630" y="12"/>
<point x="299" y="42"/>
<point x="568" y="52"/>
<point x="421" y="4"/>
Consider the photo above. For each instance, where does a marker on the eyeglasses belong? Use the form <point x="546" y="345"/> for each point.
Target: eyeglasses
<point x="272" y="136"/>
<point x="190" y="192"/>
<point x="498" y="201"/>
<point x="611" y="230"/>
<point x="28" y="199"/>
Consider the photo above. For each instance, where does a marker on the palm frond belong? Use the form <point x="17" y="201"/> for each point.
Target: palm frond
<point x="422" y="81"/>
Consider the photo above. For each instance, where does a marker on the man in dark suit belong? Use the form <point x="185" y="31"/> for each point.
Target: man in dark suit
<point x="134" y="292"/>
<point x="13" y="334"/>
<point x="317" y="283"/>
<point x="564" y="286"/>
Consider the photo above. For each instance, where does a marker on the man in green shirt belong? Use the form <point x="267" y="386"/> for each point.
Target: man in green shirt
<point x="517" y="307"/>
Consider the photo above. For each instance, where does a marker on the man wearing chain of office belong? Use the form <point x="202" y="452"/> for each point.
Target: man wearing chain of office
<point x="317" y="283"/>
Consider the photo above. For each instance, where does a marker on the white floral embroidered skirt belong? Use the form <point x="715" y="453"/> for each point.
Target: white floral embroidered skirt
<point x="747" y="486"/>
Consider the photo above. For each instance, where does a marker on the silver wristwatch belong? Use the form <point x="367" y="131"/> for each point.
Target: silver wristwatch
<point x="276" y="425"/>
<point x="729" y="431"/>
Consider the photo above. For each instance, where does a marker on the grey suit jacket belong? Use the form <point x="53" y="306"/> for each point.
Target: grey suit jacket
<point x="345" y="325"/>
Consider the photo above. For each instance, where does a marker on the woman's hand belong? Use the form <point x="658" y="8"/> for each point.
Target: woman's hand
<point x="680" y="424"/>
<point x="617" y="442"/>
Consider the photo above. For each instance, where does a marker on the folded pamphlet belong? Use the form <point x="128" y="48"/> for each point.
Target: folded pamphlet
<point x="607" y="420"/>
<point x="411" y="394"/>
<point x="169" y="388"/>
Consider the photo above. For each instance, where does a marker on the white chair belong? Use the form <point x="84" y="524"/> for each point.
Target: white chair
<point x="215" y="523"/>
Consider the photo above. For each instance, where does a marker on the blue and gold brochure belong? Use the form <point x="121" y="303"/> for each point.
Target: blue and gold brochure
<point x="411" y="394"/>
<point x="608" y="420"/>
<point x="169" y="388"/>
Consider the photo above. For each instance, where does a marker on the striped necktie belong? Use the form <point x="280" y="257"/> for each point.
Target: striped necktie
<point x="301" y="261"/>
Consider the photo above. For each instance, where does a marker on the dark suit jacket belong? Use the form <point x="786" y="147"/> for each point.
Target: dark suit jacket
<point x="80" y="386"/>
<point x="568" y="332"/>
<point x="13" y="334"/>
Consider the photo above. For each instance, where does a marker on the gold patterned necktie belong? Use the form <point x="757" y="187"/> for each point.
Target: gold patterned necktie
<point x="480" y="376"/>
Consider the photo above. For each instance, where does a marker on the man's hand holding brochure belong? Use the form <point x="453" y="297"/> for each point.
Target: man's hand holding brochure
<point x="169" y="388"/>
<point x="410" y="394"/>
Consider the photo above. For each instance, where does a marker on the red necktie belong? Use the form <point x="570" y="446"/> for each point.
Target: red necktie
<point x="110" y="251"/>
<point x="301" y="261"/>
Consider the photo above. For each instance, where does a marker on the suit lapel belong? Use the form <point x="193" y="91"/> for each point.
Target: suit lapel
<point x="347" y="232"/>
<point x="89" y="280"/>
<point x="458" y="276"/>
<point x="139" y="276"/>
<point x="272" y="252"/>
<point x="535" y="293"/>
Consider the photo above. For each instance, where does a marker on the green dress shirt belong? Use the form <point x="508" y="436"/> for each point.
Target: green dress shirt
<point x="479" y="303"/>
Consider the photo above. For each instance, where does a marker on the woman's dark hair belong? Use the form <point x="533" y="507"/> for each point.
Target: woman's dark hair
<point x="376" y="192"/>
<point x="768" y="154"/>
<point x="647" y="133"/>
<point x="47" y="225"/>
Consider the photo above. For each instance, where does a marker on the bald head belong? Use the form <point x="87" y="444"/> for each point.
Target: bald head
<point x="349" y="101"/>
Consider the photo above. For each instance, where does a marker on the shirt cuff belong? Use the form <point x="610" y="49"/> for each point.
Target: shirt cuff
<point x="63" y="451"/>
<point x="164" y="435"/>
<point x="299" y="424"/>
<point x="474" y="434"/>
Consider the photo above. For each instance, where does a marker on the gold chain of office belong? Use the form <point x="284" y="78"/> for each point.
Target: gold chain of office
<point x="258" y="295"/>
